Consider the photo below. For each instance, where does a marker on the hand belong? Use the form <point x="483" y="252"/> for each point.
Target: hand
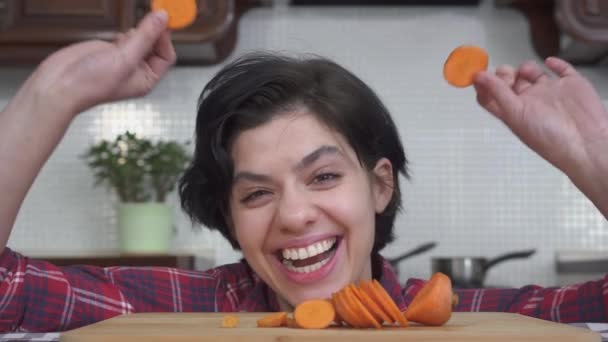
<point x="89" y="73"/>
<point x="560" y="117"/>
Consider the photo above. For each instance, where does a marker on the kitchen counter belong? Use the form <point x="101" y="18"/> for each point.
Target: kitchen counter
<point x="577" y="266"/>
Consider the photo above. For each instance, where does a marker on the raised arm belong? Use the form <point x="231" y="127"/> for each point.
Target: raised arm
<point x="559" y="116"/>
<point x="66" y="83"/>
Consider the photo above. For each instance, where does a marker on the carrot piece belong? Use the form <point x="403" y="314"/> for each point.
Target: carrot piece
<point x="462" y="64"/>
<point x="367" y="288"/>
<point x="389" y="303"/>
<point x="275" y="319"/>
<point x="346" y="312"/>
<point x="347" y="300"/>
<point x="291" y="323"/>
<point x="455" y="301"/>
<point x="365" y="315"/>
<point x="182" y="13"/>
<point x="338" y="319"/>
<point x="314" y="314"/>
<point x="432" y="305"/>
<point x="230" y="321"/>
<point x="372" y="307"/>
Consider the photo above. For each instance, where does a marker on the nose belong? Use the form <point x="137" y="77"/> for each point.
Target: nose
<point x="296" y="210"/>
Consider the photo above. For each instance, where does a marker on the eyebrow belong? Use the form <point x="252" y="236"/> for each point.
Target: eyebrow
<point x="308" y="160"/>
<point x="315" y="155"/>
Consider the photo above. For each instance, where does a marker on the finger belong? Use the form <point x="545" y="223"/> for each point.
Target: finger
<point x="532" y="72"/>
<point x="521" y="84"/>
<point x="508" y="105"/>
<point x="485" y="100"/>
<point x="507" y="74"/>
<point x="163" y="56"/>
<point x="142" y="40"/>
<point x="560" y="67"/>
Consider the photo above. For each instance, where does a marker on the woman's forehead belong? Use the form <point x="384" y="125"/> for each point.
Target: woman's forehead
<point x="288" y="137"/>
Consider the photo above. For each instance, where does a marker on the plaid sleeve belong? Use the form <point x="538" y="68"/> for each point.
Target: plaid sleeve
<point x="585" y="302"/>
<point x="39" y="296"/>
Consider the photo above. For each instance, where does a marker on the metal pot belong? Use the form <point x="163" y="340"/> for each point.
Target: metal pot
<point x="418" y="250"/>
<point x="470" y="272"/>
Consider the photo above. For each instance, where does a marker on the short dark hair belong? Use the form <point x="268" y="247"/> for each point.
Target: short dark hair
<point x="250" y="92"/>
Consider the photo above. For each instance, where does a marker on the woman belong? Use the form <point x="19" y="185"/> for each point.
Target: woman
<point x="296" y="163"/>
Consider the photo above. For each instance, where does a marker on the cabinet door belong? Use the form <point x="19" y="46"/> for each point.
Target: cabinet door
<point x="30" y="30"/>
<point x="64" y="21"/>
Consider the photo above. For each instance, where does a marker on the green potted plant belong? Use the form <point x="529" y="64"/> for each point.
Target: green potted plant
<point x="141" y="173"/>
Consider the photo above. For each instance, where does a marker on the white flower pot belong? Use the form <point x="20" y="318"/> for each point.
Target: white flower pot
<point x="145" y="228"/>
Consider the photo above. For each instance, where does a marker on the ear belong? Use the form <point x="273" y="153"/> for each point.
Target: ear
<point x="383" y="184"/>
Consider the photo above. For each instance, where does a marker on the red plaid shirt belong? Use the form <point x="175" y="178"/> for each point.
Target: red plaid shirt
<point x="38" y="296"/>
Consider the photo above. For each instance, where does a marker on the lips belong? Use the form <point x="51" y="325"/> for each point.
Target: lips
<point x="311" y="255"/>
<point x="307" y="262"/>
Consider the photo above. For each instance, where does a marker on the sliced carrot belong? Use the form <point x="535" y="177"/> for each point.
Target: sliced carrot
<point x="338" y="319"/>
<point x="275" y="319"/>
<point x="463" y="63"/>
<point x="230" y="321"/>
<point x="182" y="13"/>
<point x="432" y="305"/>
<point x="362" y="321"/>
<point x="455" y="301"/>
<point x="389" y="303"/>
<point x="314" y="314"/>
<point x="371" y="306"/>
<point x="291" y="323"/>
<point x="367" y="288"/>
<point x="365" y="315"/>
<point x="345" y="311"/>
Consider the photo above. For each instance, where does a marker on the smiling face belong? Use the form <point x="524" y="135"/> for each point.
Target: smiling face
<point x="303" y="208"/>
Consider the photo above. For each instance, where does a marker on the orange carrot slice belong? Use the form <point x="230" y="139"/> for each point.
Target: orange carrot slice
<point x="432" y="305"/>
<point x="338" y="319"/>
<point x="367" y="287"/>
<point x="230" y="321"/>
<point x="389" y="303"/>
<point x="275" y="319"/>
<point x="462" y="64"/>
<point x="372" y="307"/>
<point x="347" y="313"/>
<point x="182" y="13"/>
<point x="358" y="316"/>
<point x="369" y="320"/>
<point x="291" y="323"/>
<point x="314" y="314"/>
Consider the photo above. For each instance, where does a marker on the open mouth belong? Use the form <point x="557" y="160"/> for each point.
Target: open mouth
<point x="309" y="258"/>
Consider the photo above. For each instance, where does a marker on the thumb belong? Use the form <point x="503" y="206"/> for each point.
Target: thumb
<point x="142" y="41"/>
<point x="507" y="102"/>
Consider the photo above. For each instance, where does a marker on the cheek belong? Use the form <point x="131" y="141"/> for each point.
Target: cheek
<point x="354" y="207"/>
<point x="250" y="229"/>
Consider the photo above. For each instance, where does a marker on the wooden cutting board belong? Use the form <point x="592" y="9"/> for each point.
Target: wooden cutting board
<point x="151" y="327"/>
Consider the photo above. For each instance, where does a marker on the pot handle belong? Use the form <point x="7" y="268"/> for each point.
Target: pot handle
<point x="508" y="256"/>
<point x="420" y="249"/>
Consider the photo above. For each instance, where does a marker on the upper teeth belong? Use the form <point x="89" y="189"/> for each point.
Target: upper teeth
<point x="308" y="251"/>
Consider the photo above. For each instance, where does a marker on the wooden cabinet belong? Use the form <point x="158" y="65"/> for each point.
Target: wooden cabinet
<point x="32" y="29"/>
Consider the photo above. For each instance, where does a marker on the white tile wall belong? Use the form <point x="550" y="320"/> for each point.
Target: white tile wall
<point x="476" y="190"/>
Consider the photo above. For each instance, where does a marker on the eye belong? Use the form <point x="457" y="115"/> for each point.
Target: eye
<point x="252" y="196"/>
<point x="326" y="178"/>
